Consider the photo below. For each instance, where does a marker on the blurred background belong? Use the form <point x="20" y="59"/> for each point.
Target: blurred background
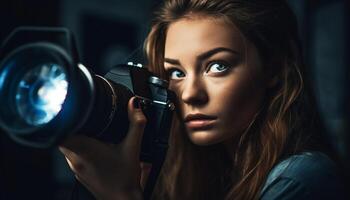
<point x="111" y="31"/>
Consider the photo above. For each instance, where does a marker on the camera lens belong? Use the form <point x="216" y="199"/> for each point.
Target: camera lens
<point x="40" y="93"/>
<point x="47" y="95"/>
<point x="34" y="84"/>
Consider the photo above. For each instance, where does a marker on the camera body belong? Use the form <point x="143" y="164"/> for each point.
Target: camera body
<point x="155" y="100"/>
<point x="47" y="94"/>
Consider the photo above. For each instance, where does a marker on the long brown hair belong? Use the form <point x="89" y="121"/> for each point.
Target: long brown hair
<point x="278" y="130"/>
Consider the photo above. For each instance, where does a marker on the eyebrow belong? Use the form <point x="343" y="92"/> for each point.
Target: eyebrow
<point x="204" y="55"/>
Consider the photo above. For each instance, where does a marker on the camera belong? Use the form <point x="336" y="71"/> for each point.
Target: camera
<point x="46" y="94"/>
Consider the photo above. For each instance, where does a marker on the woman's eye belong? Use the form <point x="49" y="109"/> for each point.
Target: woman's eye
<point x="217" y="67"/>
<point x="175" y="74"/>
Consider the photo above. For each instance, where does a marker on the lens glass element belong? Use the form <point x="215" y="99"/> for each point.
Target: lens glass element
<point x="41" y="92"/>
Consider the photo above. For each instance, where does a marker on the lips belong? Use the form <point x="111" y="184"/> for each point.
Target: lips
<point x="199" y="121"/>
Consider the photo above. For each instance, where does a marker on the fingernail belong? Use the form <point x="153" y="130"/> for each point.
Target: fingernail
<point x="136" y="103"/>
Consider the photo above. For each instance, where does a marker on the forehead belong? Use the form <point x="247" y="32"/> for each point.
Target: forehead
<point x="201" y="34"/>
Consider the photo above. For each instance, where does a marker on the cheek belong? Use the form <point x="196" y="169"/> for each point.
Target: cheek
<point x="234" y="92"/>
<point x="240" y="101"/>
<point x="176" y="88"/>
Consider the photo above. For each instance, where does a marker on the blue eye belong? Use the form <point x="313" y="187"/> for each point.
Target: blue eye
<point x="175" y="74"/>
<point x="216" y="67"/>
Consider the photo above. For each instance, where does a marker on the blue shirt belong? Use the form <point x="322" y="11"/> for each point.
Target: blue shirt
<point x="310" y="175"/>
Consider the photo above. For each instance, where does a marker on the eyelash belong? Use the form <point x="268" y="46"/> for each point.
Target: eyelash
<point x="220" y="63"/>
<point x="171" y="70"/>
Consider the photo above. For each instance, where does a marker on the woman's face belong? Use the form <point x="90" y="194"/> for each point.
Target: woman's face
<point x="217" y="76"/>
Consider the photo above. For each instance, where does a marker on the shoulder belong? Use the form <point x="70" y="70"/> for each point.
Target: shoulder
<point x="310" y="175"/>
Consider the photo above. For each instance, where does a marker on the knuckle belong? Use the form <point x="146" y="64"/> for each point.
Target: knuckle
<point x="140" y="120"/>
<point x="78" y="168"/>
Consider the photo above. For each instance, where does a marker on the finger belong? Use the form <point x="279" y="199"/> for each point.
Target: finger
<point x="79" y="177"/>
<point x="78" y="150"/>
<point x="135" y="114"/>
<point x="69" y="163"/>
<point x="76" y="163"/>
<point x="136" y="127"/>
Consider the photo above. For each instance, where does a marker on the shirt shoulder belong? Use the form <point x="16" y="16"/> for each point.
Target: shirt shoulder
<point x="310" y="175"/>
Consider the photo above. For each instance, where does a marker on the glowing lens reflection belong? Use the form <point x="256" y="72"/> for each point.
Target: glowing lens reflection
<point x="41" y="93"/>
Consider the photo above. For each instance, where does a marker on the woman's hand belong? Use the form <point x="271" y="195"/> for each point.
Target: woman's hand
<point x="109" y="171"/>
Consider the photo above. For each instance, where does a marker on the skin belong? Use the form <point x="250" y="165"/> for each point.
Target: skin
<point x="215" y="72"/>
<point x="109" y="172"/>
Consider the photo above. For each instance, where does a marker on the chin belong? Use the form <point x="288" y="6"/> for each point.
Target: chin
<point x="204" y="138"/>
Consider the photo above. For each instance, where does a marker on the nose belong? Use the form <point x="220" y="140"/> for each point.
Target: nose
<point x="194" y="92"/>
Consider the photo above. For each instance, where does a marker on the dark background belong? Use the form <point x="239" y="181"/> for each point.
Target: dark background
<point x="109" y="31"/>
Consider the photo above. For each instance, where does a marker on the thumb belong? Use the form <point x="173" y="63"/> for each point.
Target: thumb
<point x="136" y="126"/>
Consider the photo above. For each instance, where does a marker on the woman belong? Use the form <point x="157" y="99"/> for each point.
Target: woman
<point x="247" y="129"/>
